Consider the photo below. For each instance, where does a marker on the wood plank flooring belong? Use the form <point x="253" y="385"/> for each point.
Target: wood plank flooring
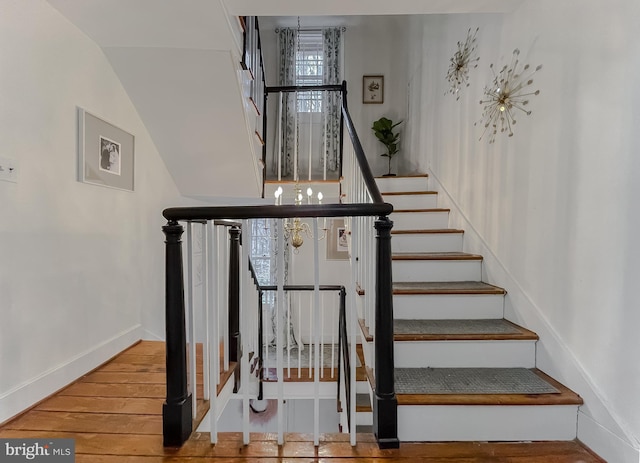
<point x="114" y="414"/>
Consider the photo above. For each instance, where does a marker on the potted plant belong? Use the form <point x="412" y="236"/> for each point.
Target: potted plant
<point x="383" y="129"/>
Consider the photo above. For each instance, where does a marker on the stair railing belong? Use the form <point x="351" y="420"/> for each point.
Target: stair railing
<point x="371" y="272"/>
<point x="362" y="199"/>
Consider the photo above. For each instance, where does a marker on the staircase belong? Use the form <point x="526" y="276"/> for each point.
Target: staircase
<point x="462" y="372"/>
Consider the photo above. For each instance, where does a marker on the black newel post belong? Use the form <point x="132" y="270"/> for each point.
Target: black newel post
<point x="177" y="409"/>
<point x="235" y="348"/>
<point x="385" y="406"/>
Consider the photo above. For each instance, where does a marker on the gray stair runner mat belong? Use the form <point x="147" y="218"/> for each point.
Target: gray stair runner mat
<point x="470" y="381"/>
<point x="291" y="358"/>
<point x="497" y="326"/>
<point x="444" y="286"/>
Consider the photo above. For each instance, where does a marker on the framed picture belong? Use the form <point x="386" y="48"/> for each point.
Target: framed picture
<point x="337" y="240"/>
<point x="105" y="153"/>
<point x="373" y="89"/>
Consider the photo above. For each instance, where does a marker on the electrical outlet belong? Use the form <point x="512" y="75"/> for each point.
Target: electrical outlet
<point x="8" y="170"/>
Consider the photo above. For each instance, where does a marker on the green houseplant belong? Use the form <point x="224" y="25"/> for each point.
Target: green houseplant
<point x="383" y="129"/>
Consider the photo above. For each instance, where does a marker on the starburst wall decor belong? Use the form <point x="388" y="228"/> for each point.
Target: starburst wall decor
<point x="507" y="93"/>
<point x="461" y="61"/>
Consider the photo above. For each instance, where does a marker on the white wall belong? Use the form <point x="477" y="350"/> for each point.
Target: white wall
<point x="367" y="51"/>
<point x="552" y="208"/>
<point x="82" y="266"/>
<point x="377" y="46"/>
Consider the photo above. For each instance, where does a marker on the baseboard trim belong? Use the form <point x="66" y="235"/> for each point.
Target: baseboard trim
<point x="147" y="335"/>
<point x="29" y="393"/>
<point x="553" y="356"/>
<point x="603" y="442"/>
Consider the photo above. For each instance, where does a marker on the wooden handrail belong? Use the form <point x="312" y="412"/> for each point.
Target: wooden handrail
<point x="277" y="212"/>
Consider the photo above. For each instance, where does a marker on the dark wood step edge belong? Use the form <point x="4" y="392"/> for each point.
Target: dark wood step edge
<point x="405" y="176"/>
<point x="427" y="231"/>
<point x="433" y="209"/>
<point x="523" y="334"/>
<point x="436" y="256"/>
<point x="407" y="193"/>
<point x="565" y="397"/>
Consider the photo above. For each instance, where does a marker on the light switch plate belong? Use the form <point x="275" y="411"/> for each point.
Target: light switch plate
<point x="8" y="170"/>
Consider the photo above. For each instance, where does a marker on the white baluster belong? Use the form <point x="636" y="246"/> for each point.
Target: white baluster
<point x="191" y="323"/>
<point x="316" y="311"/>
<point x="280" y="309"/>
<point x="205" y="310"/>
<point x="212" y="329"/>
<point x="244" y="327"/>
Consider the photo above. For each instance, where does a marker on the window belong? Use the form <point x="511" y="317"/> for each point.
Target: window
<point x="261" y="251"/>
<point x="309" y="70"/>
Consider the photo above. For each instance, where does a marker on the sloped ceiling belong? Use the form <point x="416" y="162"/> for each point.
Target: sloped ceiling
<point x="366" y="7"/>
<point x="176" y="61"/>
<point x="174" y="58"/>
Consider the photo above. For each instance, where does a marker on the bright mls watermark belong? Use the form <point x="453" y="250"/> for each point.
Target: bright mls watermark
<point x="37" y="450"/>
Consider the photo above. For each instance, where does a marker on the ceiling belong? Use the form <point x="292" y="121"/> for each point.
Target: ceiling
<point x="365" y="7"/>
<point x="178" y="62"/>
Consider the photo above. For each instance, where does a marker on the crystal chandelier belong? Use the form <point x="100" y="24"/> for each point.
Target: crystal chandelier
<point x="294" y="229"/>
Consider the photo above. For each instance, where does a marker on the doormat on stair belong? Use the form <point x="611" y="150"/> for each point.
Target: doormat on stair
<point x="470" y="381"/>
<point x="291" y="358"/>
<point x="453" y="327"/>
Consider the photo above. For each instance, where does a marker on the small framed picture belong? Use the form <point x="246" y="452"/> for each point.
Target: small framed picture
<point x="105" y="153"/>
<point x="337" y="241"/>
<point x="373" y="89"/>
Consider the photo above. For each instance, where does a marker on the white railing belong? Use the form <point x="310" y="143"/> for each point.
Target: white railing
<point x="311" y="309"/>
<point x="363" y="257"/>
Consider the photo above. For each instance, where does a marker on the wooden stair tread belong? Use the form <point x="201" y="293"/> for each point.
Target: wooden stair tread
<point x="435" y="256"/>
<point x="404" y="176"/>
<point x="426" y="231"/>
<point x="446" y="330"/>
<point x="435" y="209"/>
<point x="406" y="193"/>
<point x="446" y="287"/>
<point x="565" y="397"/>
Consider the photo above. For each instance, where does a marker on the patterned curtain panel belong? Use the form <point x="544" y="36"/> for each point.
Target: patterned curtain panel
<point x="332" y="74"/>
<point x="287" y="40"/>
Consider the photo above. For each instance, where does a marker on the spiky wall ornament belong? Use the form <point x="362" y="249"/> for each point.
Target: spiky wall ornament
<point x="461" y="62"/>
<point x="507" y="93"/>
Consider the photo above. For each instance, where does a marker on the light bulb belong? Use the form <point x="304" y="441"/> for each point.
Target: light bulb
<point x="309" y="191"/>
<point x="320" y="196"/>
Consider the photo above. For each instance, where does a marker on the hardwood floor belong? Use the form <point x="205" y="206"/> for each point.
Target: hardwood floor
<point x="114" y="414"/>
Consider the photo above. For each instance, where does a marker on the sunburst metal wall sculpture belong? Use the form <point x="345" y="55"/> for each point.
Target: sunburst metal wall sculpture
<point x="462" y="60"/>
<point x="507" y="93"/>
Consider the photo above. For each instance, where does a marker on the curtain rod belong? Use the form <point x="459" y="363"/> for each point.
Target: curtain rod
<point x="308" y="29"/>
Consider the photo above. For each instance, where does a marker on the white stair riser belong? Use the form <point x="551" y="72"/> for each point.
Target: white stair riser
<point x="465" y="354"/>
<point x="436" y="270"/>
<point x="400" y="184"/>
<point x="427" y="242"/>
<point x="362" y="387"/>
<point x="486" y="423"/>
<point x="365" y="418"/>
<point x="448" y="306"/>
<point x="428" y="201"/>
<point x="420" y="220"/>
